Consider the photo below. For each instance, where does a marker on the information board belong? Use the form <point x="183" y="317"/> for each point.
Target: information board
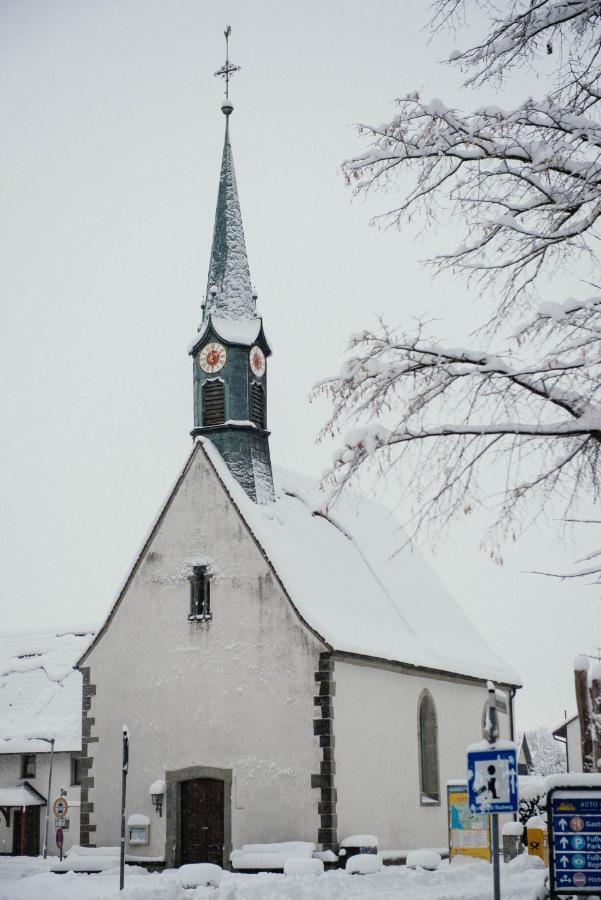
<point x="574" y="822"/>
<point x="492" y="780"/>
<point x="469" y="833"/>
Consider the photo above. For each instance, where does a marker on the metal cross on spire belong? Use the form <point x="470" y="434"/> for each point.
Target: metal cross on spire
<point x="227" y="69"/>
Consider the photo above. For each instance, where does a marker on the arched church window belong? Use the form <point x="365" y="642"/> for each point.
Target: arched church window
<point x="428" y="750"/>
<point x="213" y="402"/>
<point x="257" y="405"/>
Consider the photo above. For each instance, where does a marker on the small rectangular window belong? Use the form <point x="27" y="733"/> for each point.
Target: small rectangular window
<point x="28" y="765"/>
<point x="75" y="770"/>
<point x="200" y="595"/>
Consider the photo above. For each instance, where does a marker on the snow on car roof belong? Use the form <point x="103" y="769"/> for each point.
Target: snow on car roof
<point x="40" y="691"/>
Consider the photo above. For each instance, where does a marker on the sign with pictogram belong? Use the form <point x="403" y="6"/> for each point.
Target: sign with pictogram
<point x="60" y="807"/>
<point x="492" y="780"/>
<point x="574" y="821"/>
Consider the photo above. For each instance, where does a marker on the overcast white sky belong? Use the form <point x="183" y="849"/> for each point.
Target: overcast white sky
<point x="109" y="158"/>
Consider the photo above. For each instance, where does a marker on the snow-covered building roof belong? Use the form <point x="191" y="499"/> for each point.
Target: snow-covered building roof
<point x="348" y="581"/>
<point x="40" y="690"/>
<point x="20" y="795"/>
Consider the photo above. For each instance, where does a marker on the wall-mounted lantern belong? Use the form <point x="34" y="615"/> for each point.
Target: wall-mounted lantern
<point x="157" y="792"/>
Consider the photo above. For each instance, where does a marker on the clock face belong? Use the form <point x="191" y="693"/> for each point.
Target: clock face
<point x="257" y="361"/>
<point x="212" y="357"/>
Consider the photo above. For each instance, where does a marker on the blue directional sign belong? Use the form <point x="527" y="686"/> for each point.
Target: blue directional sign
<point x="574" y="840"/>
<point x="492" y="780"/>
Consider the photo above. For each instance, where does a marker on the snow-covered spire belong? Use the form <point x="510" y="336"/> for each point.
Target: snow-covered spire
<point x="229" y="290"/>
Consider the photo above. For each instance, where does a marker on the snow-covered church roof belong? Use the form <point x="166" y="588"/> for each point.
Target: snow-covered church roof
<point x="40" y="690"/>
<point x="349" y="582"/>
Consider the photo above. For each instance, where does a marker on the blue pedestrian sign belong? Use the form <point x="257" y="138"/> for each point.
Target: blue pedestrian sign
<point x="574" y="840"/>
<point x="492" y="780"/>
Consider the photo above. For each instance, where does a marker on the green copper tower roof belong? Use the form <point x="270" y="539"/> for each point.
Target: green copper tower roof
<point x="229" y="290"/>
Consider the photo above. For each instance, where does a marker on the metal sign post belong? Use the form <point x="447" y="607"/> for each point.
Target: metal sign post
<point x="492" y="780"/>
<point x="123" y="792"/>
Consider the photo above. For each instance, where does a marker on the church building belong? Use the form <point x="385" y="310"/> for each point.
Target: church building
<point x="284" y="673"/>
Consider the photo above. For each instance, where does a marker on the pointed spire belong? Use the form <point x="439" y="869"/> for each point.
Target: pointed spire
<point x="229" y="289"/>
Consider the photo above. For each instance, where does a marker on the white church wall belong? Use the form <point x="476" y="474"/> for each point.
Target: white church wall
<point x="10" y="775"/>
<point x="377" y="758"/>
<point x="235" y="693"/>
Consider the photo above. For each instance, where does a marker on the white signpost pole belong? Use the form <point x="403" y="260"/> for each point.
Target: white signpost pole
<point x="124" y="768"/>
<point x="492" y="735"/>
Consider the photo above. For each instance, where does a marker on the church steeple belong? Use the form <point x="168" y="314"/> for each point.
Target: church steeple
<point x="229" y="290"/>
<point x="230" y="350"/>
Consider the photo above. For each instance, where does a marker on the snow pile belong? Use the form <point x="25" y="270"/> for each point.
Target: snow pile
<point x="40" y="692"/>
<point x="354" y="552"/>
<point x="513" y="829"/>
<point x="234" y="331"/>
<point x="364" y="864"/>
<point x="360" y="840"/>
<point x="573" y="780"/>
<point x="26" y="878"/>
<point x="530" y="787"/>
<point x="195" y="875"/>
<point x="300" y="866"/>
<point x="138" y="819"/>
<point x="423" y="859"/>
<point x="259" y="857"/>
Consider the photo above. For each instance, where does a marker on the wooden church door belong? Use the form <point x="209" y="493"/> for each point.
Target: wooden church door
<point x="26" y="831"/>
<point x="202" y="820"/>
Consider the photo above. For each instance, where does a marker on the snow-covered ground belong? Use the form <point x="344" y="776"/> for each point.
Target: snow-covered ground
<point x="22" y="878"/>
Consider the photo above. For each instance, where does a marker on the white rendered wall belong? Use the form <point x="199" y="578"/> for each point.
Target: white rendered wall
<point x="233" y="694"/>
<point x="377" y="765"/>
<point x="10" y="776"/>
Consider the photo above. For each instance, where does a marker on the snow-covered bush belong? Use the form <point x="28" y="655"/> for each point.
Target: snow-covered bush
<point x="200" y="875"/>
<point x="423" y="859"/>
<point x="364" y="864"/>
<point x="302" y="866"/>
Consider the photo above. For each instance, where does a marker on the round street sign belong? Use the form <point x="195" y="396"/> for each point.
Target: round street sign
<point x="60" y="807"/>
<point x="59" y="837"/>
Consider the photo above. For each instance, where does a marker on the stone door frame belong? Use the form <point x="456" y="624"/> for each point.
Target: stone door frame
<point x="173" y="779"/>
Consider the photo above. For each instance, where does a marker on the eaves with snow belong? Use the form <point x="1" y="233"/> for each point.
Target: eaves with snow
<point x="40" y="690"/>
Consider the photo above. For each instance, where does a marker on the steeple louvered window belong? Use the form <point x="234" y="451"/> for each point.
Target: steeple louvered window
<point x="257" y="404"/>
<point x="213" y="402"/>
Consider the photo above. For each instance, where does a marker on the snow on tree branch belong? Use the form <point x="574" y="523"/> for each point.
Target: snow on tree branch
<point x="526" y="181"/>
<point x="524" y="186"/>
<point x="389" y="402"/>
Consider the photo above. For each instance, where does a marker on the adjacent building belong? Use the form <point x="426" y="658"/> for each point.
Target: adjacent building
<point x="40" y="699"/>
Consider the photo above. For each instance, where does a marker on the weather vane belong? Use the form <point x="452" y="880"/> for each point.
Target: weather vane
<point x="227" y="69"/>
